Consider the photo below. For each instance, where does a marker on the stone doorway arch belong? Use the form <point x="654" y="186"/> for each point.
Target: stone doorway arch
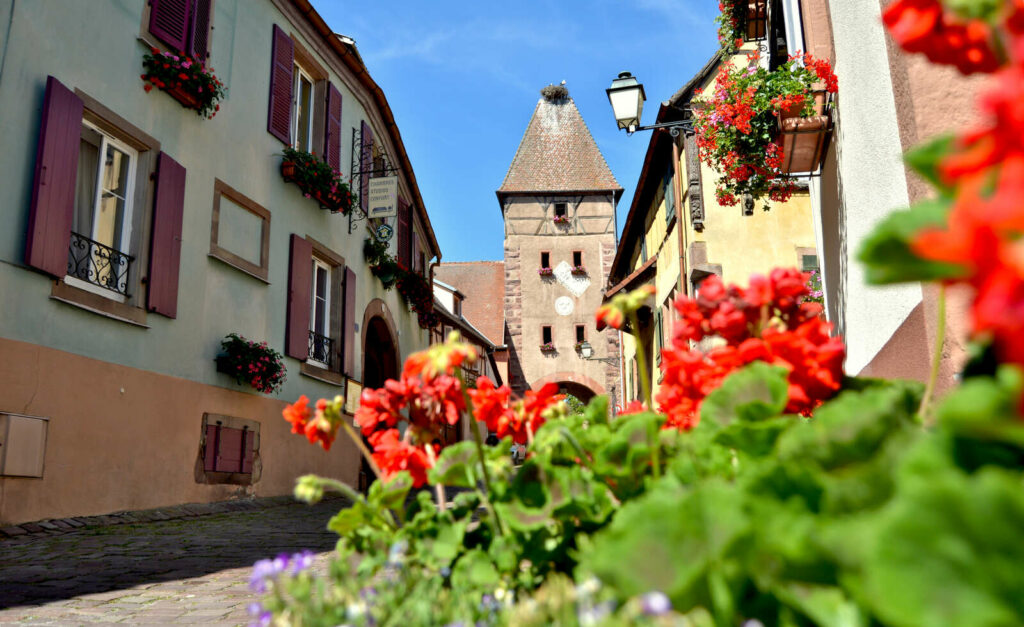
<point x="380" y="363"/>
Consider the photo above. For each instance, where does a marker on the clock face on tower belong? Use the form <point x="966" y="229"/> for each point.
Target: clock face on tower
<point x="564" y="306"/>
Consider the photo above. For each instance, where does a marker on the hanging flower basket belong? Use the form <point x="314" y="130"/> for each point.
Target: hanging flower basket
<point x="317" y="180"/>
<point x="761" y="126"/>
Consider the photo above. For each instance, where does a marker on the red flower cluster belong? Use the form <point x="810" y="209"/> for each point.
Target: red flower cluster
<point x="986" y="168"/>
<point x="946" y="38"/>
<point x="321" y="426"/>
<point x="521" y="420"/>
<point x="769" y="321"/>
<point x="167" y="71"/>
<point x="394" y="455"/>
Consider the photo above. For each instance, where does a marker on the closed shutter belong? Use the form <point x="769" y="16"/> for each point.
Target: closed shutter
<point x="229" y="453"/>
<point x="200" y="39"/>
<point x="168" y="21"/>
<point x="165" y="243"/>
<point x="300" y="278"/>
<point x="248" y="449"/>
<point x="404" y="233"/>
<point x="332" y="130"/>
<point x="282" y="60"/>
<point x="210" y="450"/>
<point x="53" y="188"/>
<point x="365" y="163"/>
<point x="348" y="324"/>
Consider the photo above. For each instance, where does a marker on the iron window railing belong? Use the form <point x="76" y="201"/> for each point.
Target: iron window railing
<point x="320" y="348"/>
<point x="98" y="264"/>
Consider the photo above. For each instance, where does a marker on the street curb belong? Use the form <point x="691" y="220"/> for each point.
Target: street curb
<point x="51" y="527"/>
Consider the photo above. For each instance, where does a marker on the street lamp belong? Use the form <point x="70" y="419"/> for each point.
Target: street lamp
<point x="587" y="352"/>
<point x="626" y="95"/>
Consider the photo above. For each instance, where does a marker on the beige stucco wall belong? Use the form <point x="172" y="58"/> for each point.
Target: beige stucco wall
<point x="120" y="438"/>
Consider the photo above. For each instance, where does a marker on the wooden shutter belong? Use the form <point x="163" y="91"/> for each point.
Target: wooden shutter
<point x="332" y="130"/>
<point x="229" y="453"/>
<point x="248" y="449"/>
<point x="165" y="241"/>
<point x="366" y="163"/>
<point x="282" y="60"/>
<point x="300" y="279"/>
<point x="348" y="324"/>
<point x="53" y="189"/>
<point x="168" y="21"/>
<point x="210" y="450"/>
<point x="200" y="36"/>
<point x="404" y="233"/>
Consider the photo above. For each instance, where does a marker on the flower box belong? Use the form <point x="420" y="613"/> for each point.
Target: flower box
<point x="184" y="78"/>
<point x="547" y="348"/>
<point x="317" y="180"/>
<point x="251" y="363"/>
<point x="288" y="171"/>
<point x="804" y="139"/>
<point x="187" y="100"/>
<point x="577" y="270"/>
<point x="545" y="271"/>
<point x="561" y="220"/>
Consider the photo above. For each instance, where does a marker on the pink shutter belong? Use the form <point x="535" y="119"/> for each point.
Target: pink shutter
<point x="248" y="450"/>
<point x="168" y="21"/>
<point x="53" y="189"/>
<point x="300" y="278"/>
<point x="229" y="453"/>
<point x="404" y="233"/>
<point x="366" y="163"/>
<point x="199" y="40"/>
<point x="332" y="130"/>
<point x="210" y="451"/>
<point x="165" y="242"/>
<point x="348" y="324"/>
<point x="282" y="59"/>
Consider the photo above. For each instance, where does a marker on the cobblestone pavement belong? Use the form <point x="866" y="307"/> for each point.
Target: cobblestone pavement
<point x="192" y="570"/>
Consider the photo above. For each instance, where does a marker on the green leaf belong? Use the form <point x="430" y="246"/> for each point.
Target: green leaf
<point x="456" y="466"/>
<point x="474" y="570"/>
<point x="756" y="392"/>
<point x="983" y="416"/>
<point x="824" y="605"/>
<point x="448" y="542"/>
<point x="754" y="438"/>
<point x="925" y="158"/>
<point x="886" y="252"/>
<point x="391" y="495"/>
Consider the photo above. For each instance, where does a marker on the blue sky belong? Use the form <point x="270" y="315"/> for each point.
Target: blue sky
<point x="463" y="78"/>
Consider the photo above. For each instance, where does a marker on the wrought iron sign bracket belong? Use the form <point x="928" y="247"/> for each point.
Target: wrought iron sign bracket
<point x="356" y="173"/>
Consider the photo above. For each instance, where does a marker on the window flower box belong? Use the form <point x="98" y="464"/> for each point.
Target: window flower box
<point x="547" y="348"/>
<point x="251" y="363"/>
<point x="760" y="126"/>
<point x="184" y="78"/>
<point x="317" y="180"/>
<point x="561" y="220"/>
<point x="578" y="270"/>
<point x="545" y="271"/>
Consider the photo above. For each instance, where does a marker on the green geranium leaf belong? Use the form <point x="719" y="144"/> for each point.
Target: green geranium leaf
<point x="983" y="415"/>
<point x="886" y="252"/>
<point x="448" y="542"/>
<point x="925" y="158"/>
<point x="456" y="466"/>
<point x="756" y="392"/>
<point x="474" y="570"/>
<point x="754" y="438"/>
<point x="391" y="495"/>
<point x="824" y="605"/>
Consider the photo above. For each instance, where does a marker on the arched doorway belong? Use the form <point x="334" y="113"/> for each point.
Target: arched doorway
<point x="380" y="363"/>
<point x="580" y="391"/>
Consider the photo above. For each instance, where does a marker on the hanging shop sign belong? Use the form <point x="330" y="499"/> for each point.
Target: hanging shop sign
<point x="383" y="194"/>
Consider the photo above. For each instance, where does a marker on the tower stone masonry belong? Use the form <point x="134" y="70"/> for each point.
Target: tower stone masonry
<point x="558" y="204"/>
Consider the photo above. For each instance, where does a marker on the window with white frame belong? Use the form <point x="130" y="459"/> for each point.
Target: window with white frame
<point x="302" y="110"/>
<point x="320" y="315"/>
<point x="102" y="223"/>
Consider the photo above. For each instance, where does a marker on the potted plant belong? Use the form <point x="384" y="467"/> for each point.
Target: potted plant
<point x="317" y="180"/>
<point x="251" y="363"/>
<point x="548" y="347"/>
<point x="578" y="270"/>
<point x="413" y="286"/>
<point x="760" y="126"/>
<point x="545" y="271"/>
<point x="184" y="78"/>
<point x="561" y="220"/>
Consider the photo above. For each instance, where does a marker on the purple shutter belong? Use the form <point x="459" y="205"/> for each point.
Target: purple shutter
<point x="282" y="59"/>
<point x="332" y="130"/>
<point x="366" y="163"/>
<point x="210" y="450"/>
<point x="168" y="21"/>
<point x="165" y="242"/>
<point x="404" y="233"/>
<point x="53" y="189"/>
<point x="248" y="450"/>
<point x="348" y="328"/>
<point x="229" y="453"/>
<point x="300" y="278"/>
<point x="199" y="41"/>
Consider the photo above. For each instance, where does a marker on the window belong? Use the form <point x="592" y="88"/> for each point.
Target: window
<point x="659" y="332"/>
<point x="101" y="227"/>
<point x="319" y="315"/>
<point x="240" y="231"/>
<point x="545" y="334"/>
<point x="302" y="110"/>
<point x="229" y="448"/>
<point x="577" y="258"/>
<point x="670" y="199"/>
<point x="180" y="25"/>
<point x="457" y="303"/>
<point x="581" y="333"/>
<point x="643" y="249"/>
<point x="561" y="210"/>
<point x="809" y="263"/>
<point x="545" y="260"/>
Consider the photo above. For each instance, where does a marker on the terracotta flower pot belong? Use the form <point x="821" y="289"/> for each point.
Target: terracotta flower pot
<point x="186" y="98"/>
<point x="804" y="142"/>
<point x="288" y="170"/>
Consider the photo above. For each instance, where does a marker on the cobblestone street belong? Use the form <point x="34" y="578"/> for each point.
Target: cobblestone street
<point x="188" y="570"/>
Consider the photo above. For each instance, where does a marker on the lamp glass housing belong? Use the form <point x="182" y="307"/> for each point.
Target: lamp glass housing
<point x="627" y="97"/>
<point x="586" y="350"/>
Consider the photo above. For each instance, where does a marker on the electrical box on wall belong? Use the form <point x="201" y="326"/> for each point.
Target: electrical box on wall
<point x="22" y="445"/>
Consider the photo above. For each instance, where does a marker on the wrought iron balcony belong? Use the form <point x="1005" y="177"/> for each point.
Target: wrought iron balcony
<point x="320" y="348"/>
<point x="98" y="264"/>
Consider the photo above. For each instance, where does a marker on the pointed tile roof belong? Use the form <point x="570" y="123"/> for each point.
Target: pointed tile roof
<point x="557" y="152"/>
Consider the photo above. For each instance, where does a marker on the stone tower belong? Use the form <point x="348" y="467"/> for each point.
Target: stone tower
<point x="558" y="203"/>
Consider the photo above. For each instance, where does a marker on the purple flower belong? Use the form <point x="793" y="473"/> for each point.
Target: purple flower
<point x="655" y="603"/>
<point x="301" y="561"/>
<point x="264" y="570"/>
